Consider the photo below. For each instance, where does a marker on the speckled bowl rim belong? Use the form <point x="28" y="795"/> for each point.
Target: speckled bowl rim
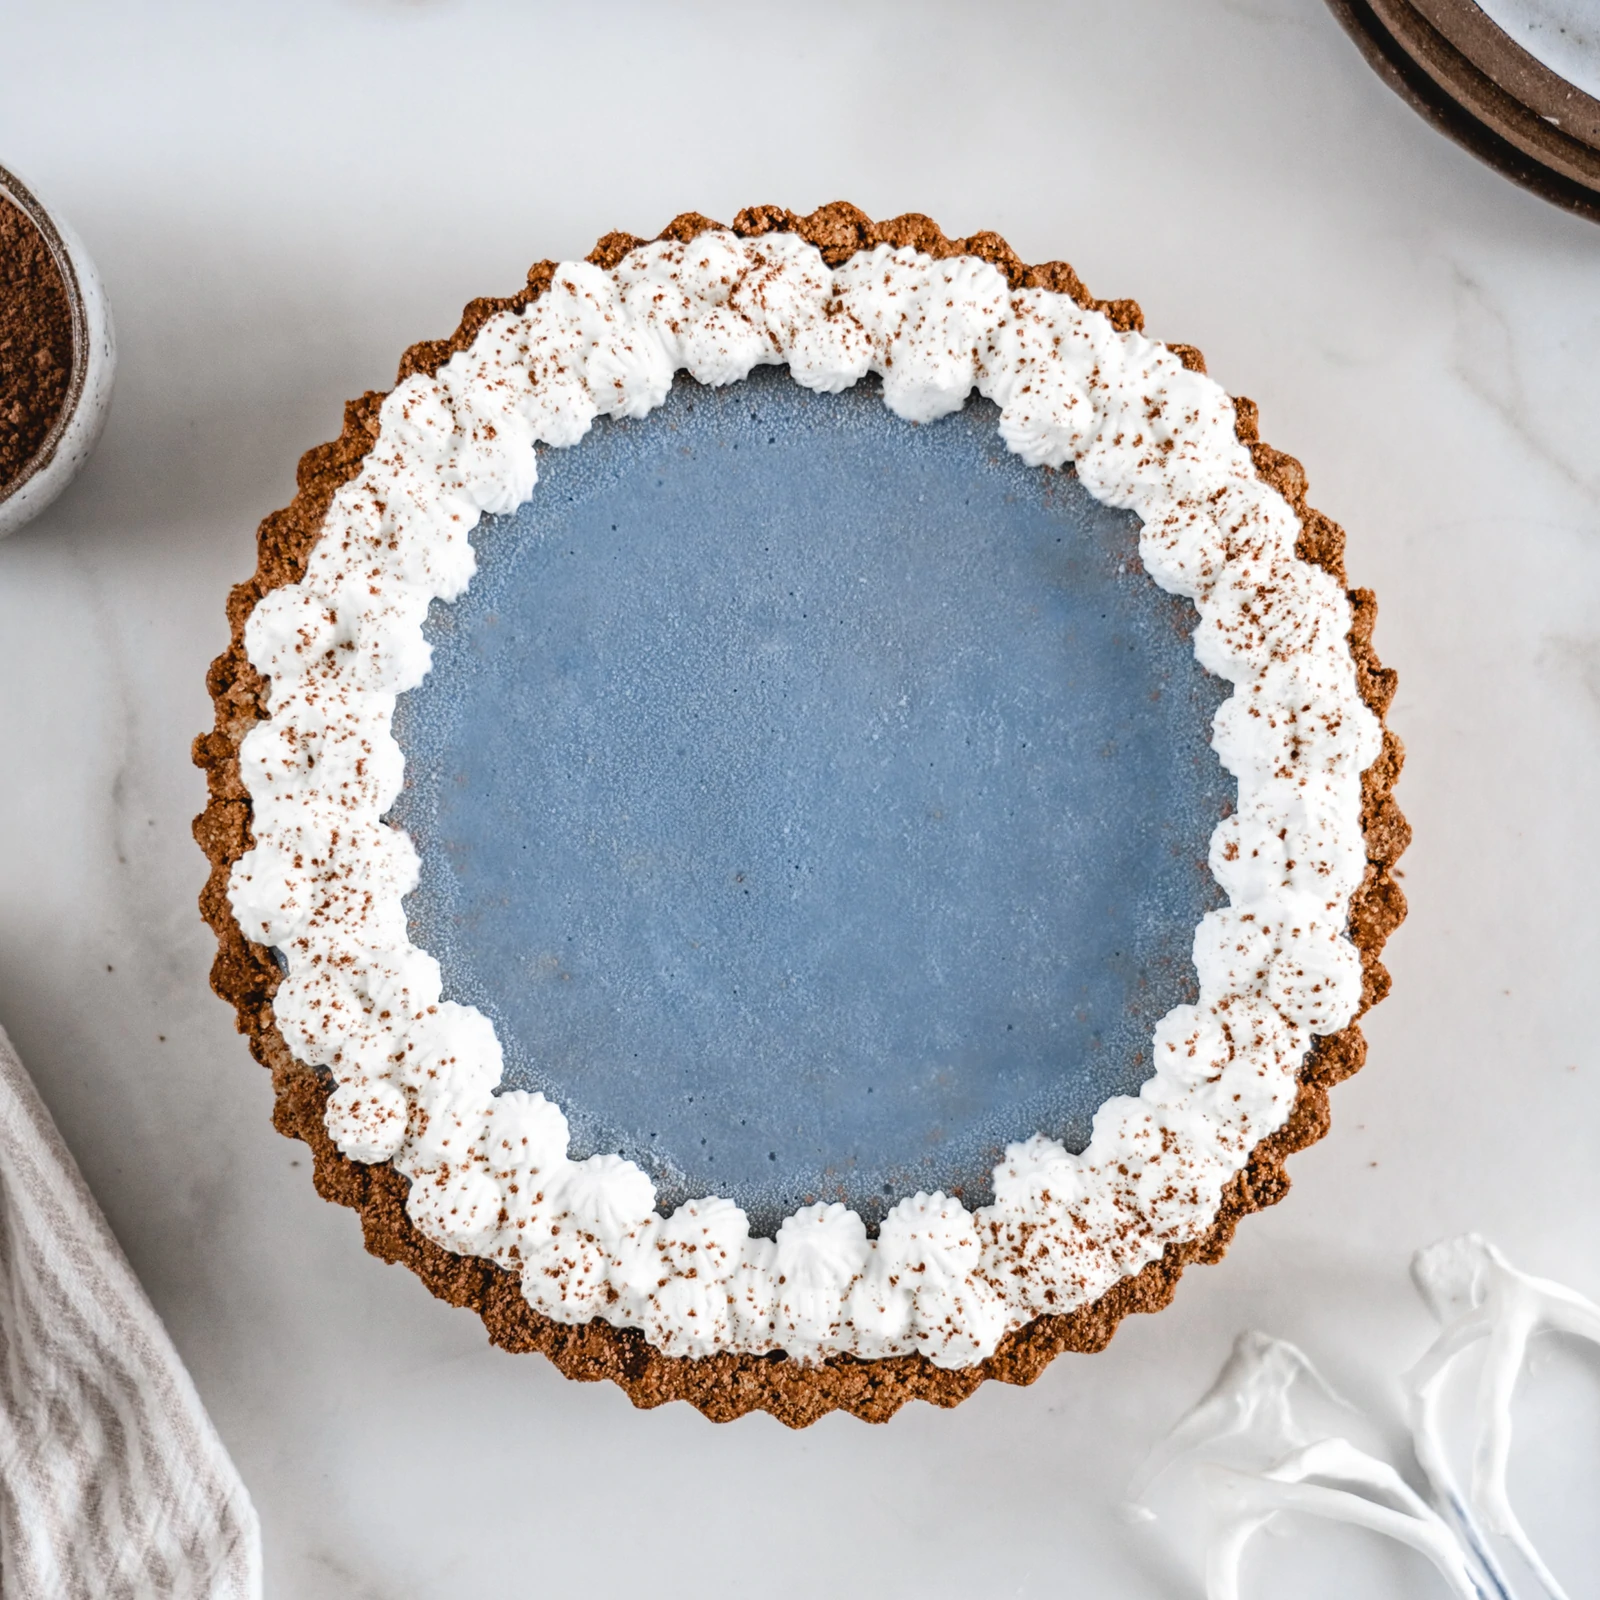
<point x="1450" y="61"/>
<point x="727" y="1386"/>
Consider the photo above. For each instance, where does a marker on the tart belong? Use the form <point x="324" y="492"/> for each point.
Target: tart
<point x="801" y="814"/>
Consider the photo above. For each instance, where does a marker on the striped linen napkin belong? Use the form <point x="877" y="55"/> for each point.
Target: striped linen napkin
<point x="113" y="1482"/>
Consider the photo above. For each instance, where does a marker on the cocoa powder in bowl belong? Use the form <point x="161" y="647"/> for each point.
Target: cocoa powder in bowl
<point x="35" y="342"/>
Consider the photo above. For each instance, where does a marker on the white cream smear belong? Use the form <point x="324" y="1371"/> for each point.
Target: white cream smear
<point x="416" y="1074"/>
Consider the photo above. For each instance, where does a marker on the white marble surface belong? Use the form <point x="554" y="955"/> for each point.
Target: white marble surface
<point x="282" y="198"/>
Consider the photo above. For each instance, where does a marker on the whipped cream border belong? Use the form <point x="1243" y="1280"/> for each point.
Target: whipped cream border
<point x="417" y="1075"/>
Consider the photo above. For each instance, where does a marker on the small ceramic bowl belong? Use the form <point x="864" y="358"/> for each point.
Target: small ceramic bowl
<point x="94" y="359"/>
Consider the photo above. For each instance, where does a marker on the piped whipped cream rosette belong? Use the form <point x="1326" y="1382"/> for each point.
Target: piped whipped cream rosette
<point x="417" y="1076"/>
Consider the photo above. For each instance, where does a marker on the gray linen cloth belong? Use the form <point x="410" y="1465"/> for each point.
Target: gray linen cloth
<point x="113" y="1482"/>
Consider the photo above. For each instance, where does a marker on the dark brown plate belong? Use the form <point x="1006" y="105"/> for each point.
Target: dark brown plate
<point x="1474" y="82"/>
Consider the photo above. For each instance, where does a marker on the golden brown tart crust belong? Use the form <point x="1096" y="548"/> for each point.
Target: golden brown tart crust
<point x="726" y="1386"/>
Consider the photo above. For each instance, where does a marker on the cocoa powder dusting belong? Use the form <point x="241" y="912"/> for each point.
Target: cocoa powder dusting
<point x="727" y="1386"/>
<point x="35" y="342"/>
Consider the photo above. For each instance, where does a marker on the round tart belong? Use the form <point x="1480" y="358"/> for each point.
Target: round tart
<point x="801" y="814"/>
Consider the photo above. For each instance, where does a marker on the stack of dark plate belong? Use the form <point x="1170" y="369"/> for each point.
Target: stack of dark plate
<point x="1500" y="96"/>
